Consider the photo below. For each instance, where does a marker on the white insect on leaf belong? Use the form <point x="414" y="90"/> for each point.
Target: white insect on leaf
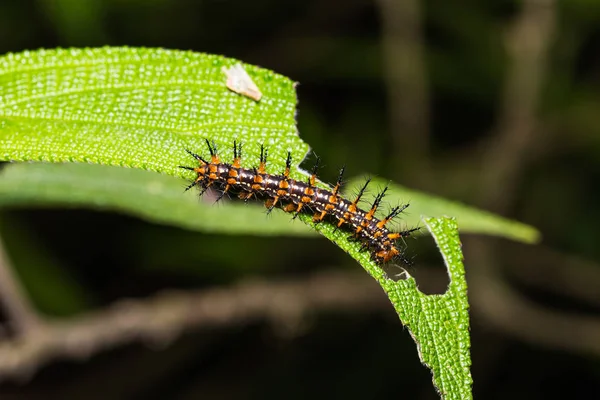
<point x="239" y="81"/>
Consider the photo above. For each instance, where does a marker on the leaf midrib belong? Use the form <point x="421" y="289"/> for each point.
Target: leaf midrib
<point x="185" y="133"/>
<point x="118" y="87"/>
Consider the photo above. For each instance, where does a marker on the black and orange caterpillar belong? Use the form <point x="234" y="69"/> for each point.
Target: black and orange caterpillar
<point x="294" y="196"/>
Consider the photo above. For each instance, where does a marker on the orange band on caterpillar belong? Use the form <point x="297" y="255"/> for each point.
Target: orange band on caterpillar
<point x="294" y="196"/>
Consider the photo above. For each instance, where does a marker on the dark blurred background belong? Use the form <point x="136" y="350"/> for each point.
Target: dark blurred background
<point x="494" y="103"/>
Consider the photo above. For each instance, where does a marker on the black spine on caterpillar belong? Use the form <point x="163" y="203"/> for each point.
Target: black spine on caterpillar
<point x="294" y="196"/>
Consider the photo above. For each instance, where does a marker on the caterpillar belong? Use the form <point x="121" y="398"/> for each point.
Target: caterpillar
<point x="295" y="196"/>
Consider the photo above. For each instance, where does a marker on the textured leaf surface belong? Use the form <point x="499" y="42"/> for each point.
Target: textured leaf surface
<point x="439" y="323"/>
<point x="142" y="107"/>
<point x="136" y="107"/>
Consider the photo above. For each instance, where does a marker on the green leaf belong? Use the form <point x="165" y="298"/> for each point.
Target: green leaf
<point x="138" y="107"/>
<point x="439" y="324"/>
<point x="471" y="219"/>
<point x="161" y="199"/>
<point x="147" y="195"/>
<point x="142" y="108"/>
